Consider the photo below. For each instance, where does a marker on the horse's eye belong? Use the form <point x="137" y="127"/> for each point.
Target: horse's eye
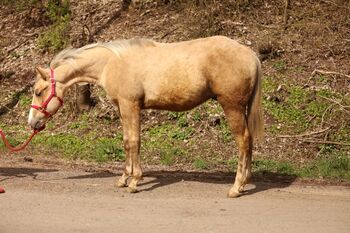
<point x="37" y="93"/>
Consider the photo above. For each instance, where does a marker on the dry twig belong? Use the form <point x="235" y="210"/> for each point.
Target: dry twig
<point x="317" y="71"/>
<point x="304" y="134"/>
<point x="16" y="47"/>
<point x="345" y="108"/>
<point x="335" y="4"/>
<point x="325" y="112"/>
<point x="14" y="100"/>
<point x="326" y="142"/>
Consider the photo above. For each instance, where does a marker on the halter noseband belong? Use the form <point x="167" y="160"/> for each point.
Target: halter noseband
<point x="43" y="107"/>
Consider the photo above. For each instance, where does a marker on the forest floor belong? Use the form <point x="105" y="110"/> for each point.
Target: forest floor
<point x="306" y="84"/>
<point x="64" y="180"/>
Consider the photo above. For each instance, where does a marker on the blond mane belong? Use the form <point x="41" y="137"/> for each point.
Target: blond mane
<point x="117" y="47"/>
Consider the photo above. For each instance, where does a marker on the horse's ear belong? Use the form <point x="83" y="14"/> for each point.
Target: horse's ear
<point x="43" y="73"/>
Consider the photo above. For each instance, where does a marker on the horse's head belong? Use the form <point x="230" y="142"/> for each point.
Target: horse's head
<point x="47" y="98"/>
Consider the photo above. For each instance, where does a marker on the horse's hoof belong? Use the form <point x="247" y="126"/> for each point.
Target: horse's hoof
<point x="233" y="194"/>
<point x="132" y="190"/>
<point x="120" y="184"/>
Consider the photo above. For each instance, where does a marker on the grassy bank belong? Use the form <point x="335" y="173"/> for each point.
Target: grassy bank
<point x="306" y="112"/>
<point x="175" y="142"/>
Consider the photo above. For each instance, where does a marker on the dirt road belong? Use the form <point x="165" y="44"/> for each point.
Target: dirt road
<point x="55" y="199"/>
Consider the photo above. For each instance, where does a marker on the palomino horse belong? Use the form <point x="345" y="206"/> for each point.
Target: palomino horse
<point x="142" y="74"/>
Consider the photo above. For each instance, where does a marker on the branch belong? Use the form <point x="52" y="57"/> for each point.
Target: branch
<point x="336" y="102"/>
<point x="335" y="4"/>
<point x="304" y="134"/>
<point x="317" y="71"/>
<point x="15" y="47"/>
<point x="285" y="14"/>
<point x="167" y="33"/>
<point x="326" y="142"/>
<point x="324" y="113"/>
<point x="14" y="100"/>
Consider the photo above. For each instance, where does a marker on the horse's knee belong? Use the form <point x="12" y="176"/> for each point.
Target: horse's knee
<point x="131" y="144"/>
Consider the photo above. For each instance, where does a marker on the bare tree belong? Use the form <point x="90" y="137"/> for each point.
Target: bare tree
<point x="83" y="94"/>
<point x="285" y="14"/>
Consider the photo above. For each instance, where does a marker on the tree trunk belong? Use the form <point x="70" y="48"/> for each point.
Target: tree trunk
<point x="84" y="101"/>
<point x="285" y="14"/>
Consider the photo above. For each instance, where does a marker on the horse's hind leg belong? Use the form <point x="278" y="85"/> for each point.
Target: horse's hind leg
<point x="130" y="116"/>
<point x="238" y="123"/>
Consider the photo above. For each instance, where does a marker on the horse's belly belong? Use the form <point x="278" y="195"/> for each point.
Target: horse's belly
<point x="176" y="97"/>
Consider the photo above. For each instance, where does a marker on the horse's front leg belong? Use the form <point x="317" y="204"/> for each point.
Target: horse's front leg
<point x="130" y="116"/>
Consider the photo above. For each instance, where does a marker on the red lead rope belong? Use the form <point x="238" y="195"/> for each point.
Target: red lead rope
<point x="18" y="148"/>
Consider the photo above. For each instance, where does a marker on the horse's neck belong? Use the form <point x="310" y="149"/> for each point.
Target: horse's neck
<point x="81" y="70"/>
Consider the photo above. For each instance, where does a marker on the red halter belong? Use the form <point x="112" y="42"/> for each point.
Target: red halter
<point x="43" y="107"/>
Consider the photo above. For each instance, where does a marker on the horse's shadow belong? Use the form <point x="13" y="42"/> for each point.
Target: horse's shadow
<point x="262" y="180"/>
<point x="19" y="172"/>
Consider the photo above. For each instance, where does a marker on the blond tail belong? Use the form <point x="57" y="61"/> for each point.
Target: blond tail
<point x="255" y="111"/>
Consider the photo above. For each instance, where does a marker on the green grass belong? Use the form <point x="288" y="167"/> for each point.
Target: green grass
<point x="335" y="166"/>
<point x="166" y="142"/>
<point x="178" y="141"/>
<point x="13" y="141"/>
<point x="14" y="134"/>
<point x="169" y="154"/>
<point x="21" y="5"/>
<point x="80" y="124"/>
<point x="280" y="167"/>
<point x="161" y="147"/>
<point x="106" y="149"/>
<point x="225" y="130"/>
<point x="280" y="66"/>
<point x="200" y="164"/>
<point x="56" y="37"/>
<point x="57" y="12"/>
<point x="296" y="108"/>
<point x="165" y="131"/>
<point x="88" y="147"/>
<point x="25" y="101"/>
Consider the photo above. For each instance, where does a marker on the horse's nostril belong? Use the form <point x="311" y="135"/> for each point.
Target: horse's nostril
<point x="38" y="125"/>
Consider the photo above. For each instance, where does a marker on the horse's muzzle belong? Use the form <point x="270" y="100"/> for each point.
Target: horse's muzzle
<point x="38" y="125"/>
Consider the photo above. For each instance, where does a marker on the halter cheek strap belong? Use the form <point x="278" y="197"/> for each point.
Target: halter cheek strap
<point x="43" y="107"/>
